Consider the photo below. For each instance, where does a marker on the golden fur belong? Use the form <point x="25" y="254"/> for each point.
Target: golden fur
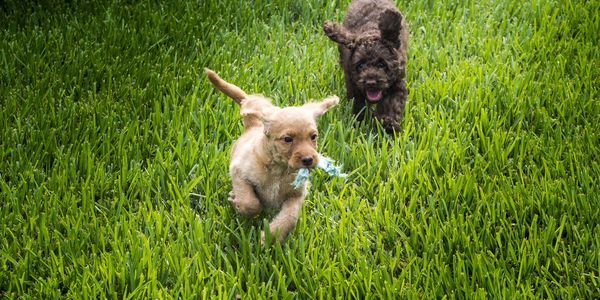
<point x="265" y="159"/>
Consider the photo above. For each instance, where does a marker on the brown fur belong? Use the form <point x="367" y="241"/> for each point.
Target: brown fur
<point x="373" y="42"/>
<point x="275" y="144"/>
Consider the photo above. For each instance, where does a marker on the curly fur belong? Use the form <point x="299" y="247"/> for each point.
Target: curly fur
<point x="373" y="42"/>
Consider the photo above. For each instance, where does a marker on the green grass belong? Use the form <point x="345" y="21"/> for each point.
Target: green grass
<point x="114" y="153"/>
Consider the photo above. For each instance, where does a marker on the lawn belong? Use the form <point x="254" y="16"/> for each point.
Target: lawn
<point x="114" y="153"/>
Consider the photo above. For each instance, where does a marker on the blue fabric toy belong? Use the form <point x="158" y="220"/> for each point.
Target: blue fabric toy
<point x="326" y="164"/>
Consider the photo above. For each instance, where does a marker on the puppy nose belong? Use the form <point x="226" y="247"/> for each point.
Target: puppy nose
<point x="307" y="160"/>
<point x="371" y="82"/>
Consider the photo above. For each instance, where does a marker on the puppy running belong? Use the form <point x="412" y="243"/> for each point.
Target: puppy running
<point x="372" y="43"/>
<point x="275" y="144"/>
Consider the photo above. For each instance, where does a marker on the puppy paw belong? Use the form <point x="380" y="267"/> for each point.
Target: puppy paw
<point x="332" y="100"/>
<point x="390" y="124"/>
<point x="330" y="28"/>
<point x="338" y="34"/>
<point x="246" y="206"/>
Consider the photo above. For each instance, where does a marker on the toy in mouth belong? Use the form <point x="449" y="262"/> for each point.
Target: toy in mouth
<point x="325" y="163"/>
<point x="374" y="95"/>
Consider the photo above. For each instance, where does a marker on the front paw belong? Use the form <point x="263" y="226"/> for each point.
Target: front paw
<point x="390" y="124"/>
<point x="330" y="28"/>
<point x="338" y="34"/>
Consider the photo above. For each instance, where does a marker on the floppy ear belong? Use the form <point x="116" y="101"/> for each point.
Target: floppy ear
<point x="256" y="110"/>
<point x="338" y="34"/>
<point x="252" y="112"/>
<point x="390" y="23"/>
<point x="256" y="117"/>
<point x="319" y="108"/>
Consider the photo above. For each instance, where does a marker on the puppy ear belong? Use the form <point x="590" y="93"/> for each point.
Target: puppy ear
<point x="338" y="34"/>
<point x="255" y="108"/>
<point x="319" y="108"/>
<point x="255" y="117"/>
<point x="252" y="113"/>
<point x="390" y="23"/>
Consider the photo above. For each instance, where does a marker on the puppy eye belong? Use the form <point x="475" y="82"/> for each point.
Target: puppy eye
<point x="360" y="66"/>
<point x="313" y="137"/>
<point x="380" y="65"/>
<point x="288" y="139"/>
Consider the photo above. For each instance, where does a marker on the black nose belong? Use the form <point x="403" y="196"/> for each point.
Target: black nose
<point x="307" y="161"/>
<point x="371" y="82"/>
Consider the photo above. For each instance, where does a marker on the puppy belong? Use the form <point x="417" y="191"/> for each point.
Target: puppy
<point x="275" y="144"/>
<point x="372" y="43"/>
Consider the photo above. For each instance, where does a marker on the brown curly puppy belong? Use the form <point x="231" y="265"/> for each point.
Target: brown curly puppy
<point x="372" y="42"/>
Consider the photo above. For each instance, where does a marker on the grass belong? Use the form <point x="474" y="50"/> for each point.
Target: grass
<point x="114" y="153"/>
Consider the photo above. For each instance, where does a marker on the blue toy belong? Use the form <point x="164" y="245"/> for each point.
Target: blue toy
<point x="326" y="164"/>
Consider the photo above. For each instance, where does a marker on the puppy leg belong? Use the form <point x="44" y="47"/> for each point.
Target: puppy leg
<point x="391" y="111"/>
<point x="285" y="220"/>
<point x="338" y="34"/>
<point x="358" y="109"/>
<point x="243" y="198"/>
<point x="391" y="119"/>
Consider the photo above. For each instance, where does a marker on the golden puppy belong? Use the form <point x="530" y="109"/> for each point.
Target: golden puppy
<point x="275" y="144"/>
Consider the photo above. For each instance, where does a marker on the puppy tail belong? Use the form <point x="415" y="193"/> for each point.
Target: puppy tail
<point x="233" y="91"/>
